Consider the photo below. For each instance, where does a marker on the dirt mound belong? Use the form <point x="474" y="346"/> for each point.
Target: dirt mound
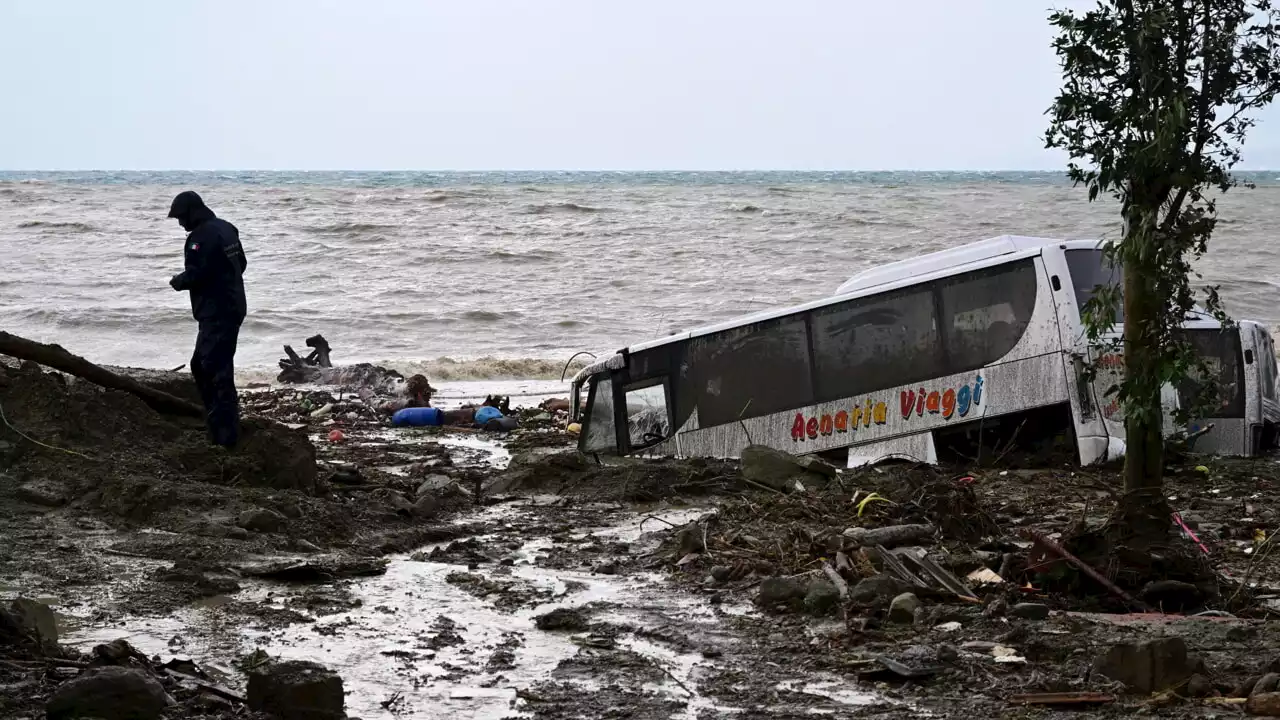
<point x="63" y="439"/>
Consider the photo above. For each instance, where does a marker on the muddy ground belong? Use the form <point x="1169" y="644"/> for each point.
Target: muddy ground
<point x="439" y="581"/>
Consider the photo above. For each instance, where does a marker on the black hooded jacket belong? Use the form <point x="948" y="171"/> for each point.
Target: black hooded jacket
<point x="215" y="262"/>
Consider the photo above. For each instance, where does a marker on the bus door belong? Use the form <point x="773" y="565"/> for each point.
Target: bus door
<point x="1071" y="276"/>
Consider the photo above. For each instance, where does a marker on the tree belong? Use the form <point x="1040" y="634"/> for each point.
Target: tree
<point x="1156" y="101"/>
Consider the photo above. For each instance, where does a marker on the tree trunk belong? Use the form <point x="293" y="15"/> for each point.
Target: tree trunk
<point x="56" y="357"/>
<point x="1143" y="507"/>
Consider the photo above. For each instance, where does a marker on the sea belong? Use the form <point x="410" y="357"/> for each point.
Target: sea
<point x="484" y="276"/>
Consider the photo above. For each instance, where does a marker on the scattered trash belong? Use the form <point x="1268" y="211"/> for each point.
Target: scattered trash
<point x="948" y="627"/>
<point x="336" y="436"/>
<point x="984" y="576"/>
<point x="1004" y="654"/>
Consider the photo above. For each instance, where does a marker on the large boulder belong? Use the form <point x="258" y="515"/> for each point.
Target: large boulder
<point x="29" y="623"/>
<point x="109" y="693"/>
<point x="297" y="690"/>
<point x="781" y="471"/>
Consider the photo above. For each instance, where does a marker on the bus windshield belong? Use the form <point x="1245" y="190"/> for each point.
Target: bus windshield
<point x="1089" y="271"/>
<point x="1220" y="350"/>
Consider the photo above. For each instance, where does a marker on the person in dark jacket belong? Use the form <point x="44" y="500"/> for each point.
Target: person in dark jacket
<point x="214" y="276"/>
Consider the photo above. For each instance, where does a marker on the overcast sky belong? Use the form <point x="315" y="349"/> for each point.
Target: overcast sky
<point x="546" y="84"/>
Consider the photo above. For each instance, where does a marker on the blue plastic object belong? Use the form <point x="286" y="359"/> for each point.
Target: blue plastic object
<point x="417" y="416"/>
<point x="487" y="413"/>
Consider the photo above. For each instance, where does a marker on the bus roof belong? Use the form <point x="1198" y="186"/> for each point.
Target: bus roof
<point x="943" y="259"/>
<point x="898" y="273"/>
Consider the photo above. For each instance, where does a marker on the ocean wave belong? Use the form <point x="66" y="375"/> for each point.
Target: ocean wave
<point x="507" y="255"/>
<point x="565" y="207"/>
<point x="54" y="225"/>
<point x="489" y="315"/>
<point x="350" y="229"/>
<point x="746" y="209"/>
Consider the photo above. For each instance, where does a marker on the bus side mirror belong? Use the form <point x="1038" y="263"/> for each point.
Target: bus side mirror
<point x="1248" y="357"/>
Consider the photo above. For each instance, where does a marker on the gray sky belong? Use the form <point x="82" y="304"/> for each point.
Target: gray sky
<point x="552" y="84"/>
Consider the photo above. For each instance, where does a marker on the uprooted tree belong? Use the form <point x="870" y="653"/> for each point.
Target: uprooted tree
<point x="1157" y="98"/>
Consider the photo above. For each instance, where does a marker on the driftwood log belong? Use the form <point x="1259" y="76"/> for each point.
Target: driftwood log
<point x="54" y="356"/>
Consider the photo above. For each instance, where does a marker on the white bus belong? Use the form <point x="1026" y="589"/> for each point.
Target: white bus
<point x="942" y="356"/>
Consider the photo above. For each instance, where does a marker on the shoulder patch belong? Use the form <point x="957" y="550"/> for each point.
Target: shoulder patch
<point x="195" y="246"/>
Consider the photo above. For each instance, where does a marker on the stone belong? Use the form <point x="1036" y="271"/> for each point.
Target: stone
<point x="434" y="483"/>
<point x="903" y="609"/>
<point x="427" y="506"/>
<point x="780" y="590"/>
<point x="721" y="573"/>
<point x="237" y="533"/>
<point x="561" y="619"/>
<point x="43" y="493"/>
<point x="1199" y="686"/>
<point x="1266" y="684"/>
<point x="877" y="589"/>
<point x="262" y="520"/>
<point x="821" y="598"/>
<point x="1245" y="689"/>
<point x="1264" y="705"/>
<point x="1172" y="595"/>
<point x="780" y="470"/>
<point x="1030" y="611"/>
<point x="1147" y="667"/>
<point x="109" y="693"/>
<point x="399" y="503"/>
<point x="26" y="622"/>
<point x="296" y="690"/>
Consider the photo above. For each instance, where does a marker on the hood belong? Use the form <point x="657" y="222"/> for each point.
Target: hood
<point x="189" y="209"/>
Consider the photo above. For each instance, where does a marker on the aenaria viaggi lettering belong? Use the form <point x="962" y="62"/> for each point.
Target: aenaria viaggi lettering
<point x="949" y="403"/>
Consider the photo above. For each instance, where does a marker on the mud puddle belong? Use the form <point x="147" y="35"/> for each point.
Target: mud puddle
<point x="435" y="636"/>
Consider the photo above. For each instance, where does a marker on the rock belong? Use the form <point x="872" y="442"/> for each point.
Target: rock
<point x="979" y="646"/>
<point x="1266" y="684"/>
<point x="262" y="520"/>
<point x="426" y="507"/>
<point x="43" y="493"/>
<point x="947" y="653"/>
<point x="1245" y="689"/>
<point x="237" y="533"/>
<point x="398" y="502"/>
<point x="570" y="619"/>
<point x="721" y="573"/>
<point x="296" y="690"/>
<point x="305" y="546"/>
<point x="780" y="470"/>
<point x="434" y="483"/>
<point x="1030" y="611"/>
<point x="780" y="590"/>
<point x="1264" y="705"/>
<point x="1147" y="667"/>
<point x="607" y="568"/>
<point x="876" y="590"/>
<point x="1172" y="595"/>
<point x="690" y="539"/>
<point x="903" y="609"/>
<point x="821" y="598"/>
<point x="109" y="693"/>
<point x="1199" y="686"/>
<point x="116" y="652"/>
<point x="998" y="607"/>
<point x="291" y="510"/>
<point x="27" y="622"/>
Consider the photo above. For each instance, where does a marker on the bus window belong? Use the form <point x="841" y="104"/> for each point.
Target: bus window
<point x="985" y="313"/>
<point x="1221" y="351"/>
<point x="875" y="343"/>
<point x="1089" y="270"/>
<point x="748" y="371"/>
<point x="647" y="419"/>
<point x="600" y="433"/>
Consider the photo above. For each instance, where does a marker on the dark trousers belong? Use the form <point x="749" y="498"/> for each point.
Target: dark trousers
<point x="213" y="367"/>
